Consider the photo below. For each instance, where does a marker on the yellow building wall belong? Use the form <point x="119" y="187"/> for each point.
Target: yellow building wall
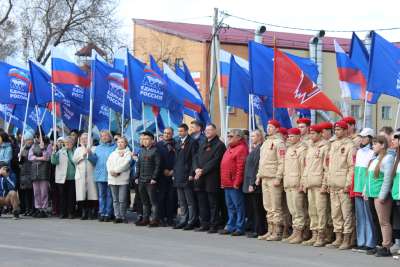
<point x="196" y="56"/>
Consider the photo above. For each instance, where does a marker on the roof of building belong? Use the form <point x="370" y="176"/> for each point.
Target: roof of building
<point x="202" y="33"/>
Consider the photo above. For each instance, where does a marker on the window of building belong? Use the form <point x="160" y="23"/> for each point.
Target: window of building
<point x="386" y="113"/>
<point x="356" y="111"/>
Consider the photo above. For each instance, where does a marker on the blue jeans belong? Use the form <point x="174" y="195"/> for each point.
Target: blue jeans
<point x="366" y="234"/>
<point x="234" y="200"/>
<point x="105" y="199"/>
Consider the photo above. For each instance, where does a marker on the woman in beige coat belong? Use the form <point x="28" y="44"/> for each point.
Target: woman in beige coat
<point x="86" y="193"/>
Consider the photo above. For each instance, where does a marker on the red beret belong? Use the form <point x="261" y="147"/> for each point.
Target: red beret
<point x="316" y="128"/>
<point x="294" y="131"/>
<point x="326" y="125"/>
<point x="283" y="131"/>
<point x="274" y="123"/>
<point x="341" y="124"/>
<point x="349" y="120"/>
<point x="306" y="121"/>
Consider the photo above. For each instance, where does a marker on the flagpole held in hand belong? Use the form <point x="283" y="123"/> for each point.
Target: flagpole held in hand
<point x="38" y="123"/>
<point x="24" y="126"/>
<point x="131" y="124"/>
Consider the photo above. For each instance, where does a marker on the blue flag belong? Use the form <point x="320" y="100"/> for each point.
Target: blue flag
<point x="40" y="117"/>
<point x="121" y="64"/>
<point x="41" y="85"/>
<point x="360" y="58"/>
<point x="7" y="111"/>
<point x="239" y="86"/>
<point x="15" y="83"/>
<point x="261" y="68"/>
<point x="203" y="116"/>
<point x="384" y="67"/>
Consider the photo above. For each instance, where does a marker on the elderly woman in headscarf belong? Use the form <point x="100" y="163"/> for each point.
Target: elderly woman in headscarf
<point x="86" y="193"/>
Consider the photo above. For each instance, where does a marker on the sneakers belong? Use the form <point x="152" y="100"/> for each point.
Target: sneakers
<point x="370" y="251"/>
<point x="252" y="235"/>
<point x="202" y="229"/>
<point x="395" y="249"/>
<point x="383" y="252"/>
<point x="188" y="227"/>
<point x="359" y="249"/>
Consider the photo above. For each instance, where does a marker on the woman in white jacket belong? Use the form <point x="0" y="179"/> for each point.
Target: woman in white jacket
<point x="86" y="193"/>
<point x="118" y="168"/>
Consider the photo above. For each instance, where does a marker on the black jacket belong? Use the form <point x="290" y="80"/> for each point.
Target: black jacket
<point x="250" y="170"/>
<point x="209" y="159"/>
<point x="167" y="158"/>
<point x="148" y="165"/>
<point x="184" y="154"/>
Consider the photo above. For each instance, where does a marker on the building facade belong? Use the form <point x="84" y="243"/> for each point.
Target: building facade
<point x="176" y="42"/>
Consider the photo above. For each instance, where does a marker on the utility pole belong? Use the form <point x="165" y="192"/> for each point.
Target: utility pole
<point x="214" y="77"/>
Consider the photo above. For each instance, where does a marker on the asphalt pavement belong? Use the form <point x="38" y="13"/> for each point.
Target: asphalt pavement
<point x="53" y="242"/>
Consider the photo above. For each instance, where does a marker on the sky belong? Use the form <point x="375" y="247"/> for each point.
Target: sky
<point x="348" y="15"/>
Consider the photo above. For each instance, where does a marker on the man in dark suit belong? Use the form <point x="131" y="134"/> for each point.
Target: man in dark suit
<point x="185" y="150"/>
<point x="207" y="178"/>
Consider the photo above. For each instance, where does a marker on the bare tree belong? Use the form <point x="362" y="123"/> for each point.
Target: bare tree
<point x="8" y="44"/>
<point x="48" y="23"/>
<point x="161" y="47"/>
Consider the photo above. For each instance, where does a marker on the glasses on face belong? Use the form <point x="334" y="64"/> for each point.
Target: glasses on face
<point x="397" y="136"/>
<point x="230" y="136"/>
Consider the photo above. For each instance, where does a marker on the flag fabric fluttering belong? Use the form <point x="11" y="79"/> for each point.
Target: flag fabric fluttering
<point x="351" y="79"/>
<point x="41" y="85"/>
<point x="384" y="67"/>
<point x="181" y="91"/>
<point x="70" y="80"/>
<point x="294" y="89"/>
<point x="261" y="68"/>
<point x="360" y="57"/>
<point x="15" y="84"/>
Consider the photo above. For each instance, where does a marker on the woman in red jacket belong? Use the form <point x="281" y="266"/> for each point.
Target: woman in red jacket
<point x="232" y="173"/>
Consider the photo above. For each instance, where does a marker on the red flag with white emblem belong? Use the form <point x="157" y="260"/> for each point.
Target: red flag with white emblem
<point x="293" y="89"/>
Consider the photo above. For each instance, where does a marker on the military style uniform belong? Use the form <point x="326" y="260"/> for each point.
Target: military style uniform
<point x="293" y="172"/>
<point x="341" y="169"/>
<point x="270" y="170"/>
<point x="314" y="181"/>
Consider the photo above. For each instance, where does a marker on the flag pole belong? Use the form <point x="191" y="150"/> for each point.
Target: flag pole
<point x="397" y="115"/>
<point x="80" y="122"/>
<point x="123" y="113"/>
<point x="109" y="119"/>
<point x="365" y="110"/>
<point x="38" y="123"/>
<point x="63" y="129"/>
<point x="169" y="118"/>
<point x="24" y="125"/>
<point x="143" y="119"/>
<point x="90" y="123"/>
<point x="131" y="124"/>
<point x="274" y="80"/>
<point x="157" y="130"/>
<point x="8" y="123"/>
<point x="53" y="105"/>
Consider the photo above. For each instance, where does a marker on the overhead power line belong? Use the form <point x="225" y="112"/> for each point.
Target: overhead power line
<point x="305" y="29"/>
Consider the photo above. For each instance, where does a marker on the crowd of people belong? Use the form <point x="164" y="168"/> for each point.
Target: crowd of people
<point x="316" y="185"/>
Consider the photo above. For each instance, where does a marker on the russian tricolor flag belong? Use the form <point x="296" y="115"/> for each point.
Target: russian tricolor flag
<point x="352" y="79"/>
<point x="65" y="71"/>
<point x="182" y="91"/>
<point x="224" y="61"/>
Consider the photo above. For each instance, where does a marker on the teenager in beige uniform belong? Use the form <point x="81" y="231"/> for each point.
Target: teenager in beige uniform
<point x="270" y="174"/>
<point x="293" y="172"/>
<point x="314" y="181"/>
<point x="304" y="126"/>
<point x="341" y="169"/>
<point x="352" y="131"/>
<point x="328" y="138"/>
